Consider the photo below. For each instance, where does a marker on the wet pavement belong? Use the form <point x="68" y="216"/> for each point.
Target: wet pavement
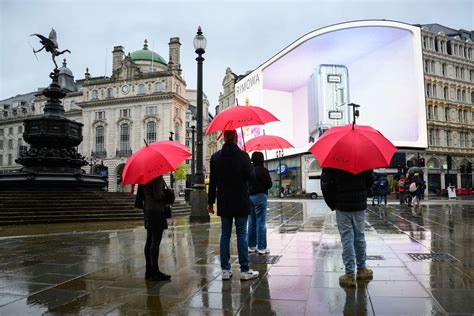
<point x="422" y="261"/>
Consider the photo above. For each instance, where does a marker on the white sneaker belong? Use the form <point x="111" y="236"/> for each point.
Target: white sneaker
<point x="263" y="251"/>
<point x="248" y="275"/>
<point x="226" y="274"/>
<point x="252" y="249"/>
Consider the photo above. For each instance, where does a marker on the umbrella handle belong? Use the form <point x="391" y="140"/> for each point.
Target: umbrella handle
<point x="145" y="142"/>
<point x="243" y="138"/>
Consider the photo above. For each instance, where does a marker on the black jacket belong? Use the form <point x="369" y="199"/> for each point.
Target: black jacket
<point x="262" y="181"/>
<point x="231" y="171"/>
<point x="150" y="197"/>
<point x="345" y="191"/>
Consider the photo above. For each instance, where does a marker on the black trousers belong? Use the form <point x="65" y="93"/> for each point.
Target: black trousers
<point x="152" y="249"/>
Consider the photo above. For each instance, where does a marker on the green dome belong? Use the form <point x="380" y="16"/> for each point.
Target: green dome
<point x="147" y="55"/>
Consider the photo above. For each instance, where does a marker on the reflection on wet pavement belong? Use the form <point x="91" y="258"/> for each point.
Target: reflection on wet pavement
<point x="99" y="269"/>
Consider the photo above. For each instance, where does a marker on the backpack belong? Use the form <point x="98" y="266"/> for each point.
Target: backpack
<point x="412" y="187"/>
<point x="401" y="183"/>
<point x="168" y="195"/>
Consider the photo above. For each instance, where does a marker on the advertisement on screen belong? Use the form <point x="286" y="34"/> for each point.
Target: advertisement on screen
<point x="311" y="83"/>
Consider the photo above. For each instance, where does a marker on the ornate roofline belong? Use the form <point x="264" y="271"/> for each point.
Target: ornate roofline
<point x="158" y="96"/>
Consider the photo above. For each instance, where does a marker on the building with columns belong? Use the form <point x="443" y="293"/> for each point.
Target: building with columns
<point x="449" y="98"/>
<point x="145" y="99"/>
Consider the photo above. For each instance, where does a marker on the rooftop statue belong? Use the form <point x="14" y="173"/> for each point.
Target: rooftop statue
<point x="50" y="43"/>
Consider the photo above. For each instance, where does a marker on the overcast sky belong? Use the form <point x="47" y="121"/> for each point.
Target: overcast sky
<point x="240" y="34"/>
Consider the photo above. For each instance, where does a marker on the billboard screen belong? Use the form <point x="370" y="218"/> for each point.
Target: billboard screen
<point x="308" y="85"/>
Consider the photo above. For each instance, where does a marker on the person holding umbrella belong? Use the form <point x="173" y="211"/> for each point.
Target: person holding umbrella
<point x="230" y="173"/>
<point x="348" y="155"/>
<point x="150" y="199"/>
<point x="257" y="228"/>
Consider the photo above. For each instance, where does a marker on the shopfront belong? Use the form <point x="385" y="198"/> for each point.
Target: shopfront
<point x="289" y="173"/>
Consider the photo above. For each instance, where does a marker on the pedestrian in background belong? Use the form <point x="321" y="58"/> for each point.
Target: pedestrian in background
<point x="375" y="191"/>
<point x="401" y="188"/>
<point x="231" y="171"/>
<point x="257" y="223"/>
<point x="150" y="199"/>
<point x="346" y="193"/>
<point x="383" y="189"/>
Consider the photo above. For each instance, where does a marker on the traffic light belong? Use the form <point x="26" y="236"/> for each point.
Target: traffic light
<point x="462" y="169"/>
<point x="469" y="168"/>
<point x="449" y="162"/>
<point x="422" y="162"/>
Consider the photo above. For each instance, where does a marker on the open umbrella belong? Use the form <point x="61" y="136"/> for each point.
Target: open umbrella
<point x="154" y="160"/>
<point x="267" y="142"/>
<point x="353" y="148"/>
<point x="240" y="116"/>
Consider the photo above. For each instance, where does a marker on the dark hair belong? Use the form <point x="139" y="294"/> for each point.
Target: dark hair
<point x="257" y="158"/>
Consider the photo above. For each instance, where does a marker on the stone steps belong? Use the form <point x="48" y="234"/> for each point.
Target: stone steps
<point x="29" y="207"/>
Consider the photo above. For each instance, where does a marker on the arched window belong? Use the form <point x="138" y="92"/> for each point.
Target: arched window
<point x="432" y="163"/>
<point x="99" y="140"/>
<point x="124" y="137"/>
<point x="94" y="94"/>
<point x="150" y="132"/>
<point x="158" y="87"/>
<point x="110" y="93"/>
<point x="141" y="88"/>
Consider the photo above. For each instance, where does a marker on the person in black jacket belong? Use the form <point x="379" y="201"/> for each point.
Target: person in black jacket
<point x="231" y="171"/>
<point x="346" y="193"/>
<point x="150" y="199"/>
<point x="257" y="236"/>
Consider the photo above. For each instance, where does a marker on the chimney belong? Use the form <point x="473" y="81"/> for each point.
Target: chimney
<point x="117" y="57"/>
<point x="175" y="52"/>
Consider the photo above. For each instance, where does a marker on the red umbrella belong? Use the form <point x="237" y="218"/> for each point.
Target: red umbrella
<point x="267" y="142"/>
<point x="240" y="116"/>
<point x="353" y="148"/>
<point x="154" y="160"/>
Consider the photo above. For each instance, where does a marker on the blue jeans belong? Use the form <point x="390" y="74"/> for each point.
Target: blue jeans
<point x="242" y="246"/>
<point x="383" y="197"/>
<point x="258" y="221"/>
<point x="351" y="226"/>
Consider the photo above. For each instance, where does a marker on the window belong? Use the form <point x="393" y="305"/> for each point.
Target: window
<point x="110" y="93"/>
<point x="457" y="72"/>
<point x="448" y="138"/>
<point x="435" y="92"/>
<point x="446" y="114"/>
<point x="472" y="101"/>
<point x="458" y="95"/>
<point x="158" y="87"/>
<point x="431" y="137"/>
<point x="10" y="159"/>
<point x="436" y="137"/>
<point x="435" y="113"/>
<point x="425" y="42"/>
<point x="427" y="66"/>
<point x="462" y="142"/>
<point x="430" y="113"/>
<point x="471" y="75"/>
<point x="20" y="129"/>
<point x="1" y="144"/>
<point x="428" y="90"/>
<point x="1" y="132"/>
<point x="151" y="132"/>
<point x="444" y="70"/>
<point x="461" y="73"/>
<point x="100" y="115"/>
<point x="125" y="113"/>
<point x="141" y="88"/>
<point x="445" y="93"/>
<point x="465" y="116"/>
<point x="151" y="110"/>
<point x="460" y="116"/>
<point x="94" y="95"/>
<point x="99" y="139"/>
<point x="176" y="132"/>
<point x="432" y="67"/>
<point x="124" y="137"/>
<point x="10" y="144"/>
<point x="463" y="95"/>
<point x="10" y="131"/>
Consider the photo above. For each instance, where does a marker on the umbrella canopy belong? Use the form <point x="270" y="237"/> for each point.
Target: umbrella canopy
<point x="353" y="148"/>
<point x="240" y="116"/>
<point x="267" y="142"/>
<point x="414" y="170"/>
<point x="154" y="160"/>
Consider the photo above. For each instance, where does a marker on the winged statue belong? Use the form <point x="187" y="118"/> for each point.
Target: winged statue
<point x="50" y="43"/>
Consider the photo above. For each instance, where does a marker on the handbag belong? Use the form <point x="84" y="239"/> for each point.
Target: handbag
<point x="168" y="212"/>
<point x="168" y="195"/>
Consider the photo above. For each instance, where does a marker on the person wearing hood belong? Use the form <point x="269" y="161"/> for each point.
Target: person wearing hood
<point x="230" y="173"/>
<point x="257" y="229"/>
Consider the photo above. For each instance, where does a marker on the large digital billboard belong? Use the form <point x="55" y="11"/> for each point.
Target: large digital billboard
<point x="309" y="85"/>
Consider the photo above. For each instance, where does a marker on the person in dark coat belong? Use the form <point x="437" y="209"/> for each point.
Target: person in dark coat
<point x="231" y="171"/>
<point x="346" y="193"/>
<point x="257" y="229"/>
<point x="150" y="199"/>
<point x="383" y="189"/>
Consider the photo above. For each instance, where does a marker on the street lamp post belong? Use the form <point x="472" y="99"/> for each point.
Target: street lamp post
<point x="171" y="173"/>
<point x="279" y="154"/>
<point x="193" y="163"/>
<point x="199" y="195"/>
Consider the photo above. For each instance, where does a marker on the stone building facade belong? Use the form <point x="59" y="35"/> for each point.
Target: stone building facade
<point x="144" y="99"/>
